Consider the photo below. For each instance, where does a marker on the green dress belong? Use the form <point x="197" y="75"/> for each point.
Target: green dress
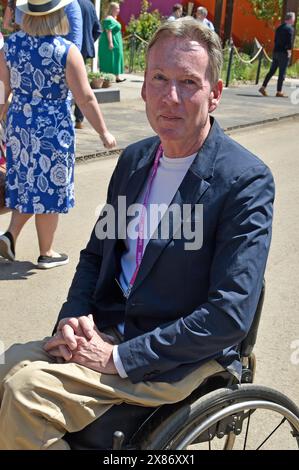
<point x="111" y="61"/>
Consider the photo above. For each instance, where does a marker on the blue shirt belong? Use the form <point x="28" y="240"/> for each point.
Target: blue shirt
<point x="74" y="15"/>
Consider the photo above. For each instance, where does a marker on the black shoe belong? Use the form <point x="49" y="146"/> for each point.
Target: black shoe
<point x="7" y="246"/>
<point x="119" y="80"/>
<point x="48" y="262"/>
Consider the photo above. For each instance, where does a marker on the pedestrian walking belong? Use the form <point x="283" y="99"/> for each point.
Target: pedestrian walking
<point x="283" y="44"/>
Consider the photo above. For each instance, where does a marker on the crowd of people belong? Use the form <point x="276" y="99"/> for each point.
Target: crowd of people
<point x="200" y="15"/>
<point x="40" y="64"/>
<point x="36" y="82"/>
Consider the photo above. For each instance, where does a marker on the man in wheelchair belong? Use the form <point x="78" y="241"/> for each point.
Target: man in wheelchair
<point x="150" y="315"/>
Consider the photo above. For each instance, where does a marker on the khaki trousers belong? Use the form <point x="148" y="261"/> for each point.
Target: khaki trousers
<point x="42" y="399"/>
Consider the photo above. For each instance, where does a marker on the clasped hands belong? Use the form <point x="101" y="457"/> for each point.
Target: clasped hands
<point x="79" y="340"/>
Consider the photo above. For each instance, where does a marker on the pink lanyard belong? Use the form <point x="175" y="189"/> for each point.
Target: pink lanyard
<point x="140" y="239"/>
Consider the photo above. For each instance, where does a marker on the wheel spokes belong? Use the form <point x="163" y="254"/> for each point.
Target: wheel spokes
<point x="247" y="428"/>
<point x="271" y="434"/>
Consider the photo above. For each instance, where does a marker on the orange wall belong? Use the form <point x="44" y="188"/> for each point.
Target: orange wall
<point x="245" y="26"/>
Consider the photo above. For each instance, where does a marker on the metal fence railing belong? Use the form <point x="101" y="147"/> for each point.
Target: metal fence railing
<point x="137" y="46"/>
<point x="259" y="56"/>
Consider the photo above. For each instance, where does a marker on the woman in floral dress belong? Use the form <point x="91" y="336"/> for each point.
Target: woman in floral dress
<point x="40" y="68"/>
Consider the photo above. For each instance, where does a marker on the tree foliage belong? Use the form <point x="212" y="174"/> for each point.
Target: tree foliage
<point x="267" y="10"/>
<point x="147" y="22"/>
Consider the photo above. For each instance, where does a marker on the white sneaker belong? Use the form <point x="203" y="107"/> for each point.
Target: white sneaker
<point x="7" y="246"/>
<point x="48" y="262"/>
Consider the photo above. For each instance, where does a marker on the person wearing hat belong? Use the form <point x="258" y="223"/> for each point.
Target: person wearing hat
<point x="39" y="67"/>
<point x="74" y="16"/>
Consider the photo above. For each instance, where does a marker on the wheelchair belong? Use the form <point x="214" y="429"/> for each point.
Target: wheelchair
<point x="219" y="415"/>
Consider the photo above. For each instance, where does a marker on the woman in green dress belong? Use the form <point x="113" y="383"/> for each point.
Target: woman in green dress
<point x="111" y="55"/>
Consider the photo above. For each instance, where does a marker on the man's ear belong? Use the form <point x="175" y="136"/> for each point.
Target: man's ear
<point x="143" y="92"/>
<point x="215" y="95"/>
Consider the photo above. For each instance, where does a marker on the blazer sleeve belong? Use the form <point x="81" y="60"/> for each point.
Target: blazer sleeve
<point x="96" y="29"/>
<point x="236" y="275"/>
<point x="80" y="296"/>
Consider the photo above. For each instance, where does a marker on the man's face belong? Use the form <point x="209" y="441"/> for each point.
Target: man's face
<point x="199" y="16"/>
<point x="177" y="90"/>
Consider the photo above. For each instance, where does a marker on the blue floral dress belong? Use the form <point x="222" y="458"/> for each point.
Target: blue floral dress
<point x="40" y="134"/>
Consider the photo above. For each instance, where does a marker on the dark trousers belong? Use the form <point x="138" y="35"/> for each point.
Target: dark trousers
<point x="280" y="61"/>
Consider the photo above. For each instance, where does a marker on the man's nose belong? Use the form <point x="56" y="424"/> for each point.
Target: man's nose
<point x="172" y="92"/>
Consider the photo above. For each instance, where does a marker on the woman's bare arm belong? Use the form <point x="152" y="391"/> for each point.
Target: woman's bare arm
<point x="78" y="83"/>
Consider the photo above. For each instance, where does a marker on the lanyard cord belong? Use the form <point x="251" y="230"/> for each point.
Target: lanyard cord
<point x="140" y="239"/>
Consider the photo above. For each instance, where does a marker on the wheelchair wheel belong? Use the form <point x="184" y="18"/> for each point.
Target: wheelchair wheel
<point x="243" y="417"/>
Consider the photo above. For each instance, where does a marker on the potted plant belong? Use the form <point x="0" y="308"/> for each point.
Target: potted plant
<point x="96" y="79"/>
<point x="108" y="79"/>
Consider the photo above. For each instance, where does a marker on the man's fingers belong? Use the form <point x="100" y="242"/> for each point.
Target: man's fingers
<point x="62" y="353"/>
<point x="54" y="342"/>
<point x="55" y="352"/>
<point x="73" y="322"/>
<point x="62" y="323"/>
<point x="69" y="336"/>
<point x="65" y="352"/>
<point x="82" y="326"/>
<point x="87" y="325"/>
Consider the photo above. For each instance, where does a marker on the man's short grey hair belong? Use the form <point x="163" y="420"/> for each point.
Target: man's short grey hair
<point x="290" y="15"/>
<point x="190" y="29"/>
<point x="202" y="11"/>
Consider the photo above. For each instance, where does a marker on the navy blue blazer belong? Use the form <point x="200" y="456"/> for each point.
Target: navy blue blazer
<point x="186" y="307"/>
<point x="91" y="28"/>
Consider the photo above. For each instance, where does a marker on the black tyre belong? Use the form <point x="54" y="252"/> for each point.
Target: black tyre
<point x="179" y="431"/>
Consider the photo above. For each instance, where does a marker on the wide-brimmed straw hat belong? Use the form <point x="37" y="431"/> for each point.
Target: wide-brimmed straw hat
<point x="41" y="7"/>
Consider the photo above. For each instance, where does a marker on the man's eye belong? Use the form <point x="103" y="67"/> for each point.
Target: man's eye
<point x="159" y="77"/>
<point x="189" y="81"/>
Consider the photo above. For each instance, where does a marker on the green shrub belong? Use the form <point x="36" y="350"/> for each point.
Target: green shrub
<point x="92" y="75"/>
<point x="293" y="71"/>
<point x="146" y="24"/>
